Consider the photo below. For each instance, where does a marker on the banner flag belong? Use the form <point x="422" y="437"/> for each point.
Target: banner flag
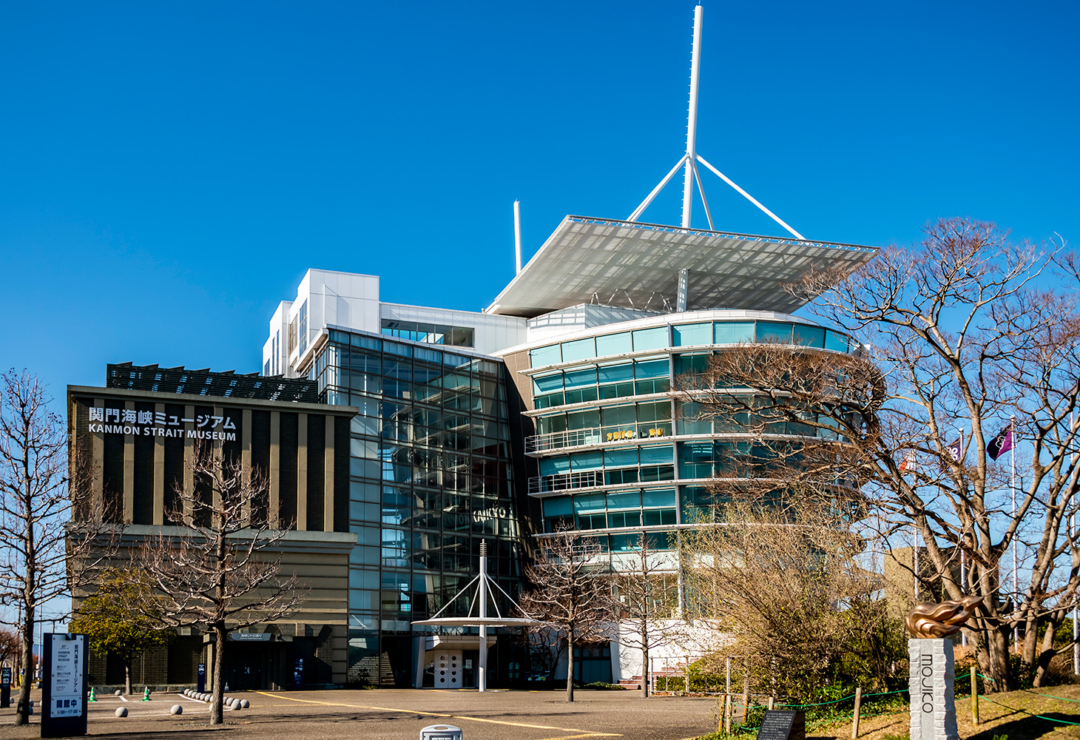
<point x="1002" y="443"/>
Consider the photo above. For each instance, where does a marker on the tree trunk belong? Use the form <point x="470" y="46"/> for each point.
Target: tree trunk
<point x="1046" y="654"/>
<point x="127" y="677"/>
<point x="570" y="666"/>
<point x="22" y="708"/>
<point x="218" y="693"/>
<point x="995" y="661"/>
<point x="644" y="663"/>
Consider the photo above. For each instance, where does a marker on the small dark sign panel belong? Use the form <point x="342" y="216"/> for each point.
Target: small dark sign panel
<point x="200" y="684"/>
<point x="782" y="724"/>
<point x="5" y="687"/>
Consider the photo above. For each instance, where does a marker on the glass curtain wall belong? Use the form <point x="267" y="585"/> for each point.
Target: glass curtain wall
<point x="430" y="479"/>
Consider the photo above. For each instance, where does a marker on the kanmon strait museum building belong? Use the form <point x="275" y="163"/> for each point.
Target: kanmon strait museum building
<point x="401" y="440"/>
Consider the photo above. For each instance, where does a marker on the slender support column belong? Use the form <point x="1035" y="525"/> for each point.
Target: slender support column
<point x="482" y="590"/>
<point x="684" y="289"/>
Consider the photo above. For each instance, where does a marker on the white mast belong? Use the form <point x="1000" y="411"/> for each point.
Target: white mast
<point x="517" y="234"/>
<point x="689" y="159"/>
<point x="691" y="122"/>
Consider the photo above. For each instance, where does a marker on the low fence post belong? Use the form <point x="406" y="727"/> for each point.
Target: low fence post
<point x="728" y="713"/>
<point x="974" y="697"/>
<point x="723" y="715"/>
<point x="686" y="671"/>
<point x="858" y="706"/>
<point x="772" y="699"/>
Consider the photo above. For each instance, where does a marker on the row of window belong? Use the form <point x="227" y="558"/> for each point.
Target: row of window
<point x="647" y="413"/>
<point x="603" y="382"/>
<point x="363" y="341"/>
<point x="687" y="335"/>
<point x="419" y="331"/>
<point x="634" y="508"/>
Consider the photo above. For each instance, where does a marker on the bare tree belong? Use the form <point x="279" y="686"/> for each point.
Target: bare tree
<point x="644" y="602"/>
<point x="214" y="567"/>
<point x="9" y="645"/>
<point x="956" y="337"/>
<point x="783" y="581"/>
<point x="39" y="494"/>
<point x="570" y="592"/>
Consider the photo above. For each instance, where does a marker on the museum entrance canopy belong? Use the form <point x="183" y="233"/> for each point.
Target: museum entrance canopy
<point x="636" y="265"/>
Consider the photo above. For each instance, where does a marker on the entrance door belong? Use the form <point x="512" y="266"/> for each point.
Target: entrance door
<point x="447" y="669"/>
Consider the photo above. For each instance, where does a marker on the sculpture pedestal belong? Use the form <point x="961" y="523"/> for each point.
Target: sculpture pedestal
<point x="933" y="706"/>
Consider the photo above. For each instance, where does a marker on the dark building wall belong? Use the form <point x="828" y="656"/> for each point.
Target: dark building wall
<point x="135" y="469"/>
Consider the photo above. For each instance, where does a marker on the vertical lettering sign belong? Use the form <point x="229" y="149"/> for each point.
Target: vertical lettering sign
<point x="63" y="697"/>
<point x="931" y="686"/>
<point x="66" y="700"/>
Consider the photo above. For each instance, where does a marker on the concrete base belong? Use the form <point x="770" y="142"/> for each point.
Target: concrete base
<point x="933" y="706"/>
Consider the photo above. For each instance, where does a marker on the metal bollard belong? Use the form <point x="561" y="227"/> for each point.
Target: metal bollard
<point x="441" y="732"/>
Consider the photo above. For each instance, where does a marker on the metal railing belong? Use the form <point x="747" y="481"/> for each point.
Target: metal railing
<point x="597" y="435"/>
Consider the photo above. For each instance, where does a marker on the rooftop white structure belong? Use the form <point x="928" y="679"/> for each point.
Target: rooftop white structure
<point x="664" y="268"/>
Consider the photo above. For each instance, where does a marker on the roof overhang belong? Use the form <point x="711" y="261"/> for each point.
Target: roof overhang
<point x="636" y="265"/>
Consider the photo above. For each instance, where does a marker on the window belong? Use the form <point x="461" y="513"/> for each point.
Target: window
<point x="689" y="334"/>
<point x="303" y="331"/>
<point x="582" y="349"/>
<point x="809" y="336"/>
<point x="590" y="511"/>
<point x="836" y="341"/>
<point x="614" y="344"/>
<point x="543" y="356"/>
<point x="420" y="331"/>
<point x="733" y="332"/>
<point x="616" y="381"/>
<point x="652" y="376"/>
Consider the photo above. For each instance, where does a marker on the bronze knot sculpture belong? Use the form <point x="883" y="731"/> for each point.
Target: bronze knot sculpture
<point x="940" y="620"/>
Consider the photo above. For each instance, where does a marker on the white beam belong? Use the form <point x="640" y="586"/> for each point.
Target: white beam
<point x="704" y="200"/>
<point x="655" y="191"/>
<point x="751" y="198"/>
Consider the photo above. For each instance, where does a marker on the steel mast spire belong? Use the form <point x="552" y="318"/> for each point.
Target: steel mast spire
<point x="691" y="121"/>
<point x="689" y="160"/>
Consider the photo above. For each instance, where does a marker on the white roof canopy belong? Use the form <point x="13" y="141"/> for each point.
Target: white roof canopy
<point x="636" y="265"/>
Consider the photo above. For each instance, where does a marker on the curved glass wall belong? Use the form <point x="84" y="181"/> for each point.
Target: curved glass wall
<point x="616" y="452"/>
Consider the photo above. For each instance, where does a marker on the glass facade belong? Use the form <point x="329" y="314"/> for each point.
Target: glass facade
<point x="615" y="451"/>
<point x="430" y="467"/>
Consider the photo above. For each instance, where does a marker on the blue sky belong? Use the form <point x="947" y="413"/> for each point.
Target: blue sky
<point x="168" y="171"/>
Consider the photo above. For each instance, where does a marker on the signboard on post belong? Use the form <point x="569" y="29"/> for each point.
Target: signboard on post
<point x="5" y="687"/>
<point x="200" y="684"/>
<point x="63" y="690"/>
<point x="782" y="724"/>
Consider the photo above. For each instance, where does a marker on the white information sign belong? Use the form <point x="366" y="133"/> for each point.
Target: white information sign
<point x="65" y="672"/>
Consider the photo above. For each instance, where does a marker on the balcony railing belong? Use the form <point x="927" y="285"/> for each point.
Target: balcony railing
<point x="597" y="435"/>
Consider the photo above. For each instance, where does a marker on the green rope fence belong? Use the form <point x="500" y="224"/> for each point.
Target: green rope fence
<point x="1030" y="714"/>
<point x="746" y="729"/>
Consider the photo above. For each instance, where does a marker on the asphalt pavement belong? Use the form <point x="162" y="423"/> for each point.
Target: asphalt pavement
<point x="400" y="714"/>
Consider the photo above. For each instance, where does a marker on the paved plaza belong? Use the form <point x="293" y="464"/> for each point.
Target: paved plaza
<point x="399" y="714"/>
